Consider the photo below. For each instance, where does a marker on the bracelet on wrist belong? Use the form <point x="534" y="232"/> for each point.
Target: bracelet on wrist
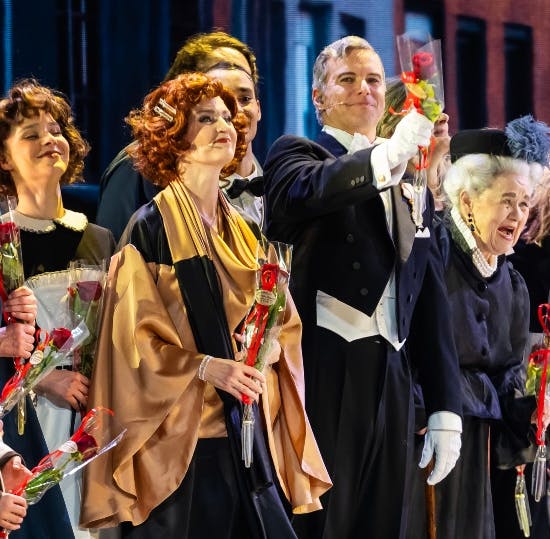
<point x="202" y="367"/>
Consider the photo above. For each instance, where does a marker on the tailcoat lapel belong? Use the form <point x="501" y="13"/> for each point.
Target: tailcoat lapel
<point x="404" y="226"/>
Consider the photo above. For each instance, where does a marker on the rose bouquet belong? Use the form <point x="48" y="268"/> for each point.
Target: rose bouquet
<point x="85" y="302"/>
<point x="68" y="298"/>
<point x="11" y="260"/>
<point x="537" y="384"/>
<point x="98" y="433"/>
<point x="263" y="323"/>
<point x="422" y="75"/>
<point x="11" y="269"/>
<point x="51" y="350"/>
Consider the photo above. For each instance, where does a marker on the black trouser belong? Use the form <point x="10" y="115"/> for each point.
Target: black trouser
<point x="359" y="401"/>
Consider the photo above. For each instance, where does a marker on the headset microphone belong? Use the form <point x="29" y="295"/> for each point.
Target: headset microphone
<point x="324" y="109"/>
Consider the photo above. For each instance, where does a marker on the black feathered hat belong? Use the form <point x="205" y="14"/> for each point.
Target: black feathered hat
<point x="524" y="138"/>
<point x="491" y="141"/>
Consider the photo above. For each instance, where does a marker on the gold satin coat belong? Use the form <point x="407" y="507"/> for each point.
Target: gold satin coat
<point x="146" y="372"/>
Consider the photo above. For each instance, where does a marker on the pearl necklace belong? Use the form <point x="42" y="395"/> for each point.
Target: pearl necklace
<point x="480" y="262"/>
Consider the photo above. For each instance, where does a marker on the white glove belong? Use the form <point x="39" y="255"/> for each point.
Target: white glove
<point x="443" y="439"/>
<point x="412" y="131"/>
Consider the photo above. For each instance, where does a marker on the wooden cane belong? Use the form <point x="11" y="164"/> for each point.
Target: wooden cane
<point x="429" y="494"/>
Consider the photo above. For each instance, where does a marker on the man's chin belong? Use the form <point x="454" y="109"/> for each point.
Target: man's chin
<point x="366" y="122"/>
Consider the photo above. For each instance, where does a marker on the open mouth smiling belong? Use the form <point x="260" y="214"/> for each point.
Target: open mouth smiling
<point x="52" y="153"/>
<point x="507" y="232"/>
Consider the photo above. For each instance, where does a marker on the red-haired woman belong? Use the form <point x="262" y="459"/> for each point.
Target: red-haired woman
<point x="179" y="290"/>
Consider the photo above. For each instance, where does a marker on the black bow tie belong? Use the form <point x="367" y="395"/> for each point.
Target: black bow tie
<point x="254" y="186"/>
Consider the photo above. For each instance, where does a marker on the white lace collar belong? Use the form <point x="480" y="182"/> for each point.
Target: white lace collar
<point x="71" y="220"/>
<point x="480" y="262"/>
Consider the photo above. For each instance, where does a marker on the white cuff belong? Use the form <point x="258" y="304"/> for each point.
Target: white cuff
<point x="383" y="176"/>
<point x="445" y="421"/>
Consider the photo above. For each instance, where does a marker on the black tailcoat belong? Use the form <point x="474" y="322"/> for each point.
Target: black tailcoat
<point x="324" y="201"/>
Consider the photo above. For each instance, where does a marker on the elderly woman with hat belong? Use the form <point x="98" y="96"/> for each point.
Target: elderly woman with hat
<point x="489" y="187"/>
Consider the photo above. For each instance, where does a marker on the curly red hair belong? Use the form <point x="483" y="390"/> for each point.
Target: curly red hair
<point x="160" y="142"/>
<point x="26" y="99"/>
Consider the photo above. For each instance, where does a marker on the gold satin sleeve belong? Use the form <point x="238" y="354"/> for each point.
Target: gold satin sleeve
<point x="146" y="373"/>
<point x="297" y="460"/>
<point x="212" y="423"/>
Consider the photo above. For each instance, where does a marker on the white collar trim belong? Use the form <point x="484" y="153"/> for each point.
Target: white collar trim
<point x="71" y="220"/>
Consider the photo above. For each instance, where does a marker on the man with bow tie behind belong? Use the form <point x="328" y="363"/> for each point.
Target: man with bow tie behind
<point x="221" y="56"/>
<point x="368" y="286"/>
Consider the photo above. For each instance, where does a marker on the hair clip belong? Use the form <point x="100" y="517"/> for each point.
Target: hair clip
<point x="165" y="110"/>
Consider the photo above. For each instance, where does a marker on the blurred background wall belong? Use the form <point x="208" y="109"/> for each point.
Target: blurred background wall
<point x="107" y="54"/>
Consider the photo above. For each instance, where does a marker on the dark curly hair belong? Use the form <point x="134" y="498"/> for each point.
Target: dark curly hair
<point x="160" y="142"/>
<point x="26" y="99"/>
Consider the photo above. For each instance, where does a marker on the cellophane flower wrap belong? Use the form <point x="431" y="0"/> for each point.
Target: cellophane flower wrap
<point x="85" y="303"/>
<point x="11" y="259"/>
<point x="422" y="75"/>
<point x="98" y="433"/>
<point x="52" y="349"/>
<point x="537" y="384"/>
<point x="12" y="276"/>
<point x="264" y="321"/>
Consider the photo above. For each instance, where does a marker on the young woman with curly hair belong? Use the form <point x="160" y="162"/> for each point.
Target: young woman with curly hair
<point x="40" y="150"/>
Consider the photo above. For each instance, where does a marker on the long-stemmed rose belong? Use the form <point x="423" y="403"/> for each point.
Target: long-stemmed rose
<point x="537" y="383"/>
<point x="11" y="263"/>
<point x="11" y="260"/>
<point x="262" y="325"/>
<point x="51" y="470"/>
<point x="422" y="75"/>
<point x="49" y="353"/>
<point x="96" y="435"/>
<point x="86" y="292"/>
<point x="11" y="276"/>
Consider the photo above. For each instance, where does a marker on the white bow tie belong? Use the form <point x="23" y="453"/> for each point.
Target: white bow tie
<point x="359" y="142"/>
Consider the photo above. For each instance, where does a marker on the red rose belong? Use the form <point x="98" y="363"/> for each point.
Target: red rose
<point x="86" y="445"/>
<point x="59" y="337"/>
<point x="424" y="65"/>
<point x="8" y="231"/>
<point x="89" y="290"/>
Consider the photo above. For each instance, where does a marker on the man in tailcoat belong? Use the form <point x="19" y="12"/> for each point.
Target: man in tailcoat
<point x="368" y="284"/>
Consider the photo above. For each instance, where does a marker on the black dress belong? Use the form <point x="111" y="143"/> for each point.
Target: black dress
<point x="490" y="321"/>
<point x="49" y="246"/>
<point x="533" y="263"/>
